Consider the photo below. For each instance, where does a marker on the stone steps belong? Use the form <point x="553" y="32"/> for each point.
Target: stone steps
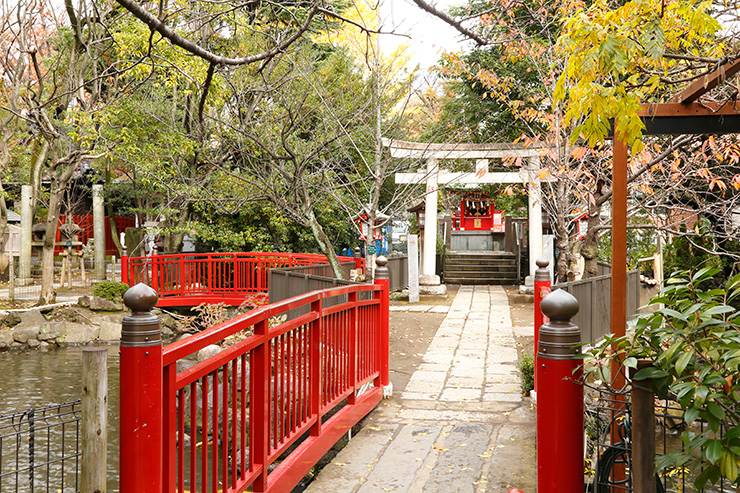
<point x="479" y="268"/>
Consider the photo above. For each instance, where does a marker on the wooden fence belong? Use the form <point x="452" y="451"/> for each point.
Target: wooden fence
<point x="594" y="299"/>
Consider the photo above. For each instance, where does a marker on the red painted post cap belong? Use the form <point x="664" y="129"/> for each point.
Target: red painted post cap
<point x="516" y="490"/>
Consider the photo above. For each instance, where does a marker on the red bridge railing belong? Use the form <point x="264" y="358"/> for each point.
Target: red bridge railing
<point x="284" y="393"/>
<point x="194" y="278"/>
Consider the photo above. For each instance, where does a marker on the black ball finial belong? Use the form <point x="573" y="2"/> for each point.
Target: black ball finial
<point x="381" y="261"/>
<point x="140" y="298"/>
<point x="559" y="306"/>
<point x="542" y="262"/>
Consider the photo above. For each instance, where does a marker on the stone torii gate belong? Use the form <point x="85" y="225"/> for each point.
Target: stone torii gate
<point x="434" y="177"/>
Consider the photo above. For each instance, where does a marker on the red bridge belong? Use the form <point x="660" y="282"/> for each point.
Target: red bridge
<point x="188" y="279"/>
<point x="283" y="394"/>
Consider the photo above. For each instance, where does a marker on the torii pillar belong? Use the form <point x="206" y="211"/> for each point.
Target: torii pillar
<point x="428" y="275"/>
<point x="535" y="214"/>
<point x="433" y="176"/>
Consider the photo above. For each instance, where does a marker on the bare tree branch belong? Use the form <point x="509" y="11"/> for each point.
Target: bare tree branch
<point x="157" y="25"/>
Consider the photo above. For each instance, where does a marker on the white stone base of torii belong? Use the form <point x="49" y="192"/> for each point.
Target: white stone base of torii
<point x="434" y="176"/>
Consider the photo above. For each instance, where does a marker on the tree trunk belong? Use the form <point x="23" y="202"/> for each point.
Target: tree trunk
<point x="173" y="241"/>
<point x="324" y="243"/>
<point x="48" y="295"/>
<point x="39" y="156"/>
<point x="561" y="234"/>
<point x="590" y="248"/>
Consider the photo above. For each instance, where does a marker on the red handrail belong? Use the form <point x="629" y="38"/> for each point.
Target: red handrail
<point x="194" y="278"/>
<point x="266" y="397"/>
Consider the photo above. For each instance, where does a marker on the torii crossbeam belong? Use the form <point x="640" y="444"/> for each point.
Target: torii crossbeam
<point x="481" y="153"/>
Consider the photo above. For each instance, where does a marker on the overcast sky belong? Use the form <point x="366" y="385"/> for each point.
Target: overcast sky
<point x="430" y="36"/>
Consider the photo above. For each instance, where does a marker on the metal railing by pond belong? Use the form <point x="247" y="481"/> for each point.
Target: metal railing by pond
<point x="40" y="449"/>
<point x="658" y="432"/>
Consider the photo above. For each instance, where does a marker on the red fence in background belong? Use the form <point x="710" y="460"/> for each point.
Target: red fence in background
<point x="194" y="278"/>
<point x="85" y="221"/>
<point x="284" y="394"/>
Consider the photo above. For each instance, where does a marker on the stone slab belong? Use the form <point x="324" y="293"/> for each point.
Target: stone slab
<point x="401" y="460"/>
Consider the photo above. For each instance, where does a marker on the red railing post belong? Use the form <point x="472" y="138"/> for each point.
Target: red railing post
<point x="541" y="289"/>
<point x="358" y="259"/>
<point x="141" y="441"/>
<point x="124" y="267"/>
<point x="559" y="399"/>
<point x="382" y="279"/>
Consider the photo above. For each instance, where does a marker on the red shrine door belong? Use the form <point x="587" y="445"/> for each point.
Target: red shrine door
<point x="477" y="214"/>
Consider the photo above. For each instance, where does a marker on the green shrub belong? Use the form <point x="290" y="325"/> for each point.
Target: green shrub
<point x="110" y="290"/>
<point x="526" y="368"/>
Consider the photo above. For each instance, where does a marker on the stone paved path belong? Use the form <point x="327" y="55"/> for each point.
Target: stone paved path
<point x="461" y="424"/>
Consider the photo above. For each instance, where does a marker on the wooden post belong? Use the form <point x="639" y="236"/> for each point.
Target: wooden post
<point x="94" y="420"/>
<point x="643" y="434"/>
<point x="82" y="270"/>
<point x="11" y="277"/>
<point x="64" y="269"/>
<point x="619" y="279"/>
<point x="69" y="267"/>
<point x="99" y="232"/>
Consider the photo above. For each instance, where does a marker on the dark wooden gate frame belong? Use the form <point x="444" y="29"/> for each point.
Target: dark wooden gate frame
<point x="683" y="116"/>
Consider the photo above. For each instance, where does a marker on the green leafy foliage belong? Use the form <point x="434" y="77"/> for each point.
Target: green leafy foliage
<point x="110" y="290"/>
<point x="614" y="55"/>
<point x="693" y="340"/>
<point x="526" y="370"/>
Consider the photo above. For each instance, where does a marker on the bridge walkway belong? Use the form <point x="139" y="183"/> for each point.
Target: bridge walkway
<point x="460" y="424"/>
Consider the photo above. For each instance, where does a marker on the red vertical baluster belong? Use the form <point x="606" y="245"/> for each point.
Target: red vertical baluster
<point x="315" y="365"/>
<point x="234" y="419"/>
<point x="181" y="440"/>
<point x="296" y="395"/>
<point x="155" y="270"/>
<point x="225" y="430"/>
<point x="244" y="417"/>
<point x="182" y="265"/>
<point x="204" y="435"/>
<point x="260" y="405"/>
<point x="275" y="373"/>
<point x="353" y="343"/>
<point x="124" y="268"/>
<point x="194" y="434"/>
<point x="214" y="429"/>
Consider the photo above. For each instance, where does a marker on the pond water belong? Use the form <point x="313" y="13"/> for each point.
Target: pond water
<point x="35" y="379"/>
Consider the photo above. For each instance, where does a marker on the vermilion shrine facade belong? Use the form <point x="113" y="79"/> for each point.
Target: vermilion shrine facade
<point x="477" y="213"/>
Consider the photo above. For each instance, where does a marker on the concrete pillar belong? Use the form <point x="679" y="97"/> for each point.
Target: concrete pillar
<point x="99" y="231"/>
<point x="413" y="256"/>
<point x="24" y="273"/>
<point x="429" y="261"/>
<point x="535" y="214"/>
